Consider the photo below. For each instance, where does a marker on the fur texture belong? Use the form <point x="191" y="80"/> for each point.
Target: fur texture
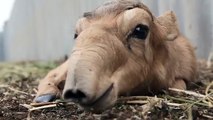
<point x="107" y="62"/>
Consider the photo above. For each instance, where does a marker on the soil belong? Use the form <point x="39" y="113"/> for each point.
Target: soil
<point x="18" y="81"/>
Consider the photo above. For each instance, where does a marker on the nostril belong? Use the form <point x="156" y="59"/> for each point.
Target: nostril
<point x="80" y="94"/>
<point x="74" y="94"/>
<point x="68" y="94"/>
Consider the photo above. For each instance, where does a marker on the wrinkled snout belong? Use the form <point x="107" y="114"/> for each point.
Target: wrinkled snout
<point x="88" y="84"/>
<point x="81" y="85"/>
<point x="85" y="88"/>
<point x="92" y="65"/>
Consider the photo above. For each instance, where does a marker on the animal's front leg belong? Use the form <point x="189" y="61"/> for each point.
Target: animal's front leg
<point x="179" y="84"/>
<point x="52" y="85"/>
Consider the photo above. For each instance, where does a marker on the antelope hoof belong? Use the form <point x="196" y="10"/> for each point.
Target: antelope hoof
<point x="45" y="98"/>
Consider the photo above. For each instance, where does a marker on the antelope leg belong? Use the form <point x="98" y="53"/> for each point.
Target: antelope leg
<point x="52" y="85"/>
<point x="179" y="84"/>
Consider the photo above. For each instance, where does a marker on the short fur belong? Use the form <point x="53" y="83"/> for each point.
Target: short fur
<point x="105" y="58"/>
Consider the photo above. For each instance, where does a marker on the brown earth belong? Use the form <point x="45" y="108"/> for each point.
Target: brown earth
<point x="18" y="81"/>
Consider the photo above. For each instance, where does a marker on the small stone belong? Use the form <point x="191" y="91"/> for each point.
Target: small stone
<point x="14" y="98"/>
<point x="22" y="97"/>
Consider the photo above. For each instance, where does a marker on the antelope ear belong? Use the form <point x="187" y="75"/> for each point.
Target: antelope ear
<point x="168" y="24"/>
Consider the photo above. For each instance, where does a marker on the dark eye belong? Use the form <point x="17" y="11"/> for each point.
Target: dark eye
<point x="75" y="35"/>
<point x="140" y="32"/>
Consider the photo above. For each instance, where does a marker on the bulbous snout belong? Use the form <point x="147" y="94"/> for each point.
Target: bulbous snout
<point x="88" y="84"/>
<point x="93" y="63"/>
<point x="95" y="101"/>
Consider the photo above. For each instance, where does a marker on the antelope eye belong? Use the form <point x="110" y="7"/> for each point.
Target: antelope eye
<point x="140" y="32"/>
<point x="75" y="35"/>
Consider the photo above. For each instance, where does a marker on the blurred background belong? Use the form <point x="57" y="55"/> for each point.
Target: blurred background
<point x="44" y="29"/>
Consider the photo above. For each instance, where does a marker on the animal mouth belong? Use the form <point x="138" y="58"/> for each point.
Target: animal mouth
<point x="100" y="98"/>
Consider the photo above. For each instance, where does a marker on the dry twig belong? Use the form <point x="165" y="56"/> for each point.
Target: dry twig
<point x="43" y="107"/>
<point x="187" y="101"/>
<point x="137" y="102"/>
<point x="12" y="89"/>
<point x="208" y="116"/>
<point x="42" y="104"/>
<point x="188" y="92"/>
<point x="209" y="98"/>
<point x="39" y="106"/>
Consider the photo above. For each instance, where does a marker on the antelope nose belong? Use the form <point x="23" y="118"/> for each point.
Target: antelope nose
<point x="76" y="95"/>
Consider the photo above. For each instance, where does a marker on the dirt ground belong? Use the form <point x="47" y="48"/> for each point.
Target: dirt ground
<point x="18" y="81"/>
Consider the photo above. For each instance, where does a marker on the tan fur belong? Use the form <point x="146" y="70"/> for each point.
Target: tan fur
<point x="101" y="56"/>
